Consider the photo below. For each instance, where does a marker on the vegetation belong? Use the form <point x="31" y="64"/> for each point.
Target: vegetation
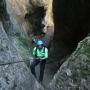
<point x="23" y="40"/>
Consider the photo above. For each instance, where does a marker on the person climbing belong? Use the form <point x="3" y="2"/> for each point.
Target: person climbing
<point x="40" y="54"/>
<point x="37" y="36"/>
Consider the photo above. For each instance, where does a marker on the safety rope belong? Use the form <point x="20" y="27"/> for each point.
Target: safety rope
<point x="2" y="64"/>
<point x="48" y="62"/>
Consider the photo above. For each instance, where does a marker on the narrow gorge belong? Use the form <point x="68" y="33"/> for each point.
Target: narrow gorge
<point x="68" y="67"/>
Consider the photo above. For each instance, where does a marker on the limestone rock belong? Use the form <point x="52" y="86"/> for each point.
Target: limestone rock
<point x="13" y="76"/>
<point x="74" y="74"/>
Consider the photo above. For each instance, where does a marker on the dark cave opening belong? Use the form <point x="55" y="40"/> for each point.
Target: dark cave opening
<point x="71" y="20"/>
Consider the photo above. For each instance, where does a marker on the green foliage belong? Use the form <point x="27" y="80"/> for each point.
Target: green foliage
<point x="23" y="40"/>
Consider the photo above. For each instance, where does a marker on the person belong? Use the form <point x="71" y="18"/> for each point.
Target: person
<point x="40" y="54"/>
<point x="38" y="36"/>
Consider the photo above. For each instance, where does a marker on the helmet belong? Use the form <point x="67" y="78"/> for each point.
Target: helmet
<point x="40" y="42"/>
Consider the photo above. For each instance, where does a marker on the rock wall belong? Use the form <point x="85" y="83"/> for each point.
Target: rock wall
<point x="71" y="19"/>
<point x="27" y="13"/>
<point x="12" y="76"/>
<point x="74" y="74"/>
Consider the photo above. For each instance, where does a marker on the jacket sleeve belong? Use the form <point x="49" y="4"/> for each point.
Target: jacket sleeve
<point x="34" y="51"/>
<point x="46" y="53"/>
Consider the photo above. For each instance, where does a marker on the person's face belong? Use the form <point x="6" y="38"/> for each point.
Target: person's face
<point x="40" y="46"/>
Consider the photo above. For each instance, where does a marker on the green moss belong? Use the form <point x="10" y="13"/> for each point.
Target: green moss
<point x="17" y="34"/>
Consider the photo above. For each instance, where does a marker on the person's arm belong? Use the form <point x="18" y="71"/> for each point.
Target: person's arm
<point x="34" y="51"/>
<point x="46" y="54"/>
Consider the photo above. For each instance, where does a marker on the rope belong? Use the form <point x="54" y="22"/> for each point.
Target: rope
<point x="2" y="64"/>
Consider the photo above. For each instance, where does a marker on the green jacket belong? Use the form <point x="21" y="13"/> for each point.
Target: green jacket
<point x="41" y="53"/>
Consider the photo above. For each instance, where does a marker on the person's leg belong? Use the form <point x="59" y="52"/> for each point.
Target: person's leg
<point x="32" y="66"/>
<point x="42" y="67"/>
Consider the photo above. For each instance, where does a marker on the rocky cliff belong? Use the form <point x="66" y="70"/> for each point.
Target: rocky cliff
<point x="74" y="74"/>
<point x="71" y="19"/>
<point x="14" y="76"/>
